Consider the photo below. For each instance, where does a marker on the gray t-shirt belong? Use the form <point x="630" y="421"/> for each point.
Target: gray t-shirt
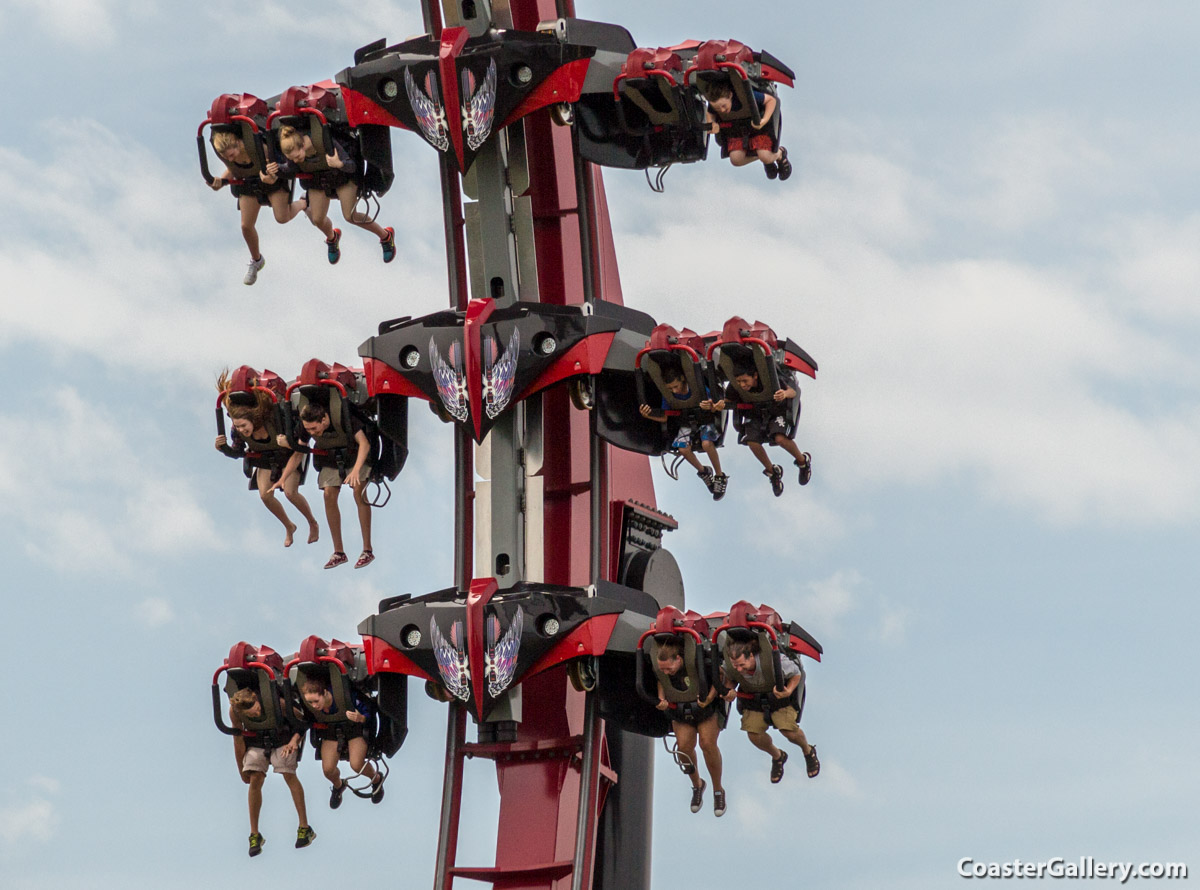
<point x="788" y="668"/>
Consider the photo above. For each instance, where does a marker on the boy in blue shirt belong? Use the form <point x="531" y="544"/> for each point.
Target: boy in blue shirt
<point x="701" y="432"/>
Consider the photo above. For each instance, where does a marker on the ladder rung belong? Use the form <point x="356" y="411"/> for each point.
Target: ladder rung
<point x="497" y="874"/>
<point x="536" y="750"/>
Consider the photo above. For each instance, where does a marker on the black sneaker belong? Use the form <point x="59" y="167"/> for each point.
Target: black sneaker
<point x="698" y="796"/>
<point x="377" y="788"/>
<point x="784" y="165"/>
<point x="305" y="836"/>
<point x="720" y="483"/>
<point x="776" y="476"/>
<point x="771" y="169"/>
<point x="256" y="843"/>
<point x="333" y="251"/>
<point x="805" y="468"/>
<point x="335" y="796"/>
<point x="718" y="803"/>
<point x="706" y="476"/>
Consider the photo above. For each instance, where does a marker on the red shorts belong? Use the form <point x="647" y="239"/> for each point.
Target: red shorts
<point x="760" y="142"/>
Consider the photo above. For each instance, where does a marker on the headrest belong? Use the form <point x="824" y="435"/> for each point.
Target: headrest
<point x="314" y="648"/>
<point x="666" y="337"/>
<point x="227" y="105"/>
<point x="669" y="619"/>
<point x="322" y="385"/>
<point x="643" y="59"/>
<point x="714" y="53"/>
<point x="743" y="614"/>
<point x="245" y="380"/>
<point x="242" y="654"/>
<point x="737" y="329"/>
<point x="316" y="371"/>
<point x="312" y="96"/>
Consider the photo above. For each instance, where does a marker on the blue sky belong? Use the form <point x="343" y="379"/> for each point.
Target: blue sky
<point x="989" y="245"/>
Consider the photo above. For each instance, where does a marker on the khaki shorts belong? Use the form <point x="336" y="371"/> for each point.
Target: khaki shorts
<point x="255" y="760"/>
<point x="332" y="477"/>
<point x="781" y="718"/>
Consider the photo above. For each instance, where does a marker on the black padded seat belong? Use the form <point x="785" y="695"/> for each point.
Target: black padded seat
<point x="764" y="682"/>
<point x="328" y="398"/>
<point x="651" y="364"/>
<point x="339" y="688"/>
<point x="730" y="355"/>
<point x="268" y="693"/>
<point x="249" y="139"/>
<point x="692" y="661"/>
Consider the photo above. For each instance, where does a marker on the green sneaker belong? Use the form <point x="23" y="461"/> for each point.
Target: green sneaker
<point x="305" y="836"/>
<point x="256" y="843"/>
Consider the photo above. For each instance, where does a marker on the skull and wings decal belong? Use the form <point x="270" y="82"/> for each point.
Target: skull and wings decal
<point x="479" y="106"/>
<point x="452" y="659"/>
<point x="499" y="374"/>
<point x="500" y="657"/>
<point x="430" y="114"/>
<point x="451" y="380"/>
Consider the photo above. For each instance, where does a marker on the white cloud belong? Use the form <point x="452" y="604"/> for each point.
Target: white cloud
<point x="347" y="604"/>
<point x="359" y="21"/>
<point x="893" y="623"/>
<point x="46" y="784"/>
<point x="79" y="23"/>
<point x="836" y="780"/>
<point x="87" y="527"/>
<point x="1027" y="169"/>
<point x="155" y="611"/>
<point x="830" y="600"/>
<point x="33" y="821"/>
<point x="1158" y="267"/>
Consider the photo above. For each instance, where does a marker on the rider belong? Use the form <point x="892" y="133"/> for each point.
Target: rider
<point x="701" y="720"/>
<point x="253" y="189"/>
<point x="254" y="750"/>
<point x="339" y="180"/>
<point x="699" y="432"/>
<point x="745" y="657"/>
<point x="333" y="737"/>
<point x="744" y="136"/>
<point x="274" y="465"/>
<point x="766" y="423"/>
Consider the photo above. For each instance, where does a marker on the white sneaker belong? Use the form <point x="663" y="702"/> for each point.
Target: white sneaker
<point x="255" y="268"/>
